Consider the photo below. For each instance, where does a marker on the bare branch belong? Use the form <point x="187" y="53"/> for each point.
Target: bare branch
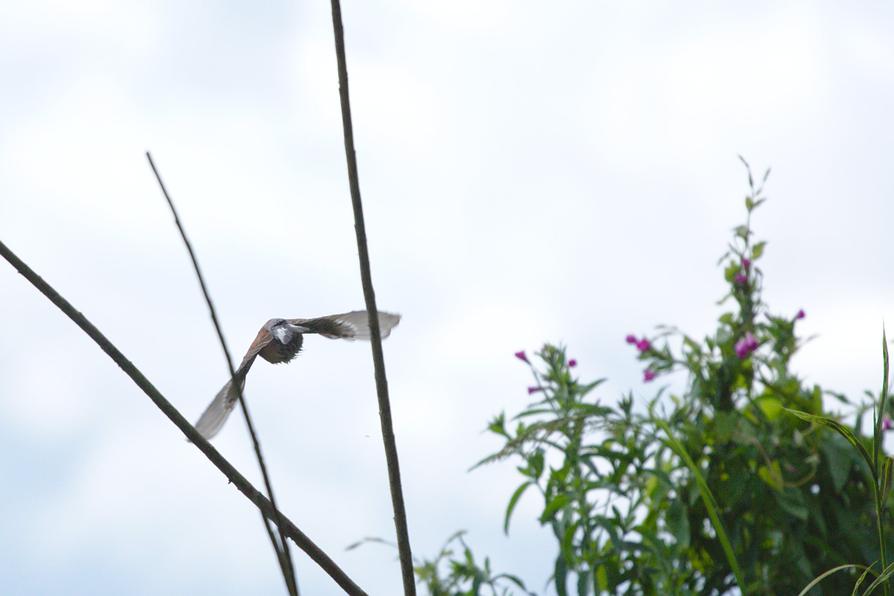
<point x="232" y="474"/>
<point x="397" y="499"/>
<point x="282" y="548"/>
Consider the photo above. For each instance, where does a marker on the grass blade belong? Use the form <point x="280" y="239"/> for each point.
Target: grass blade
<point x="824" y="575"/>
<point x="841" y="429"/>
<point x="708" y="499"/>
<point x="862" y="578"/>
<point x="880" y="580"/>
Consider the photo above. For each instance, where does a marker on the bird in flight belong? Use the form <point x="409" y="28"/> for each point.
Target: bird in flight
<point x="279" y="340"/>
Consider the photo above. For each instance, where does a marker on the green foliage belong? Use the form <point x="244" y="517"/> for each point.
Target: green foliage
<point x="713" y="489"/>
<point x="708" y="500"/>
<point x="880" y="468"/>
<point x="453" y="573"/>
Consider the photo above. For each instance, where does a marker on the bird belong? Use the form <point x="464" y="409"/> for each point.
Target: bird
<point x="279" y="341"/>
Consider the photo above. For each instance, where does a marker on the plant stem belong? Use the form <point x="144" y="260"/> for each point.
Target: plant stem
<point x="397" y="499"/>
<point x="283" y="556"/>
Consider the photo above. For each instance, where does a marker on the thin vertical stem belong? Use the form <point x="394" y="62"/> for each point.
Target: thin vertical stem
<point x="397" y="499"/>
<point x="882" y="470"/>
<point x="879" y="513"/>
<point x="282" y="549"/>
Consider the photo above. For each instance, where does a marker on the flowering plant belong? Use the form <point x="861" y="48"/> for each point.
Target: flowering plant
<point x="712" y="487"/>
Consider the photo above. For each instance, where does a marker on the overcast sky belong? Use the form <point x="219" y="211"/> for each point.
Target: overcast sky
<point x="531" y="171"/>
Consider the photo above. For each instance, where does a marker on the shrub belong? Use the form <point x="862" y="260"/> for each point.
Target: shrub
<point x="711" y="489"/>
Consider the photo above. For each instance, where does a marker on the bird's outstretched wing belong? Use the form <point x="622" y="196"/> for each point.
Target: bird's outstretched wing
<point x="219" y="409"/>
<point x="350" y="325"/>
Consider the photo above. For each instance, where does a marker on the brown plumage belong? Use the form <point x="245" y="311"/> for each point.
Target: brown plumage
<point x="279" y="341"/>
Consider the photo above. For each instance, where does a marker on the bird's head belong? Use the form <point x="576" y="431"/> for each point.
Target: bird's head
<point x="283" y="330"/>
<point x="269" y="325"/>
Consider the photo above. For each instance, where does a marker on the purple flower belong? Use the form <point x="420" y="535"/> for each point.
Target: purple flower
<point x="746" y="264"/>
<point x="532" y="390"/>
<point x="648" y="375"/>
<point x="631" y="339"/>
<point x="522" y="356"/>
<point x="886" y="423"/>
<point x="801" y="314"/>
<point x="746" y="345"/>
<point x="740" y="278"/>
<point x="643" y="345"/>
<point x="572" y="363"/>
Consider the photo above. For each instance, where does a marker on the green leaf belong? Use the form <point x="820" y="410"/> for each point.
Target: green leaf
<point x="771" y="475"/>
<point x="792" y="502"/>
<point x="513" y="501"/>
<point x="651" y="485"/>
<point x="816" y="399"/>
<point x="692" y="345"/>
<point x="839" y="459"/>
<point x="560" y="576"/>
<point x="533" y="412"/>
<point x="730" y="271"/>
<point x="498" y="425"/>
<point x="583" y="583"/>
<point x="886" y="478"/>
<point x="566" y="545"/>
<point x="678" y="523"/>
<point x="592" y="409"/>
<point x="840" y="429"/>
<point x="590" y="386"/>
<point x="758" y="250"/>
<point x="880" y="417"/>
<point x="534" y="467"/>
<point x="602" y="579"/>
<point x="554" y="505"/>
<point x="514" y="579"/>
<point x="724" y="425"/>
<point x="770" y="406"/>
<point x="885" y="366"/>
